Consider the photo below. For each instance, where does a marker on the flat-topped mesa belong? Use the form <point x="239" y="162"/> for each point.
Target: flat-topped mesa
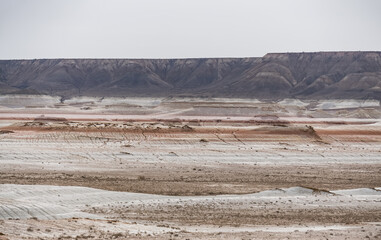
<point x="325" y="54"/>
<point x="319" y="75"/>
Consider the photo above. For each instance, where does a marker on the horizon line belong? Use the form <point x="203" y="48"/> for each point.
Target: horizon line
<point x="180" y="58"/>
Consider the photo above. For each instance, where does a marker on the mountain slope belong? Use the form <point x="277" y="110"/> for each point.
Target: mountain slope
<point x="276" y="75"/>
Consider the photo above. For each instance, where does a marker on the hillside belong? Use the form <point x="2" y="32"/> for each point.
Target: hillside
<point x="276" y="75"/>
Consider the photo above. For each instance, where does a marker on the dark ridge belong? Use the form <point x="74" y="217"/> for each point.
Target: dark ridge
<point x="319" y="75"/>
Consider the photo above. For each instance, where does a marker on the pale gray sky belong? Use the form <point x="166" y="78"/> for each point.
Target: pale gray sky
<point x="185" y="28"/>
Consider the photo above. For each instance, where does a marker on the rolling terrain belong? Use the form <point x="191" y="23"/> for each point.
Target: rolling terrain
<point x="189" y="168"/>
<point x="287" y="146"/>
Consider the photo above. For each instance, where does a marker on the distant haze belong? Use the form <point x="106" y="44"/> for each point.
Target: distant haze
<point x="185" y="29"/>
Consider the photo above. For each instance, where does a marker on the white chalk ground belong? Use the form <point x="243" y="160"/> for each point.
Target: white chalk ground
<point x="56" y="206"/>
<point x="135" y="108"/>
<point x="46" y="100"/>
<point x="348" y="103"/>
<point x="275" y="229"/>
<point x="55" y="202"/>
<point x="66" y="202"/>
<point x="74" y="151"/>
<point x="21" y="101"/>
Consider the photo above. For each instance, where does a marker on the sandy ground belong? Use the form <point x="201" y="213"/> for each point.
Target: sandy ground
<point x="56" y="212"/>
<point x="202" y="160"/>
<point x="190" y="170"/>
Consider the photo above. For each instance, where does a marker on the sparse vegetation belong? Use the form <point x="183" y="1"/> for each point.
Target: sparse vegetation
<point x="141" y="178"/>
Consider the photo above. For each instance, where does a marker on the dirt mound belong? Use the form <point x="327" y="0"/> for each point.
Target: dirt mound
<point x="6" y="131"/>
<point x="306" y="130"/>
<point x="49" y="119"/>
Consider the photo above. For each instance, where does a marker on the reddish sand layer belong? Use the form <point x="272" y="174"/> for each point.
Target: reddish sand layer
<point x="208" y="156"/>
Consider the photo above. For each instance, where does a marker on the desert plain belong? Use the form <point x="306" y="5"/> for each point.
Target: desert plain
<point x="189" y="168"/>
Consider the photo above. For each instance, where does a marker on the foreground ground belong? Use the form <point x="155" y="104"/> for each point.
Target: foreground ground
<point x="197" y="165"/>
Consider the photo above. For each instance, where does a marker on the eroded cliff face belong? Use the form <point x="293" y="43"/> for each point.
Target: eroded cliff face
<point x="302" y="75"/>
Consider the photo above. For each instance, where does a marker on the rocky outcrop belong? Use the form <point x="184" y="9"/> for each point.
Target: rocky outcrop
<point x="276" y="75"/>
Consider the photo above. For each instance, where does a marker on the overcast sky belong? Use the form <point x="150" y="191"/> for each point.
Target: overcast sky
<point x="185" y="28"/>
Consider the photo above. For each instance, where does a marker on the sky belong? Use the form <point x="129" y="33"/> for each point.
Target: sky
<point x="32" y="29"/>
